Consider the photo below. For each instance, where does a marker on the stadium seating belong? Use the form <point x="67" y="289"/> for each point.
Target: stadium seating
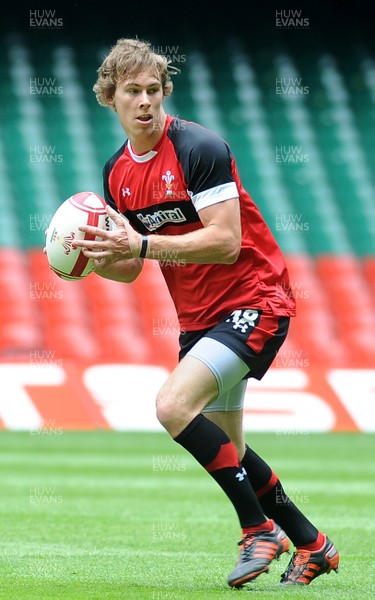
<point x="350" y="300"/>
<point x="314" y="331"/>
<point x="118" y="326"/>
<point x="20" y="328"/>
<point x="63" y="312"/>
<point x="306" y="158"/>
<point x="369" y="273"/>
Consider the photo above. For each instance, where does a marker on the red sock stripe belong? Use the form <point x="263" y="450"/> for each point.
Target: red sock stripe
<point x="315" y="546"/>
<point x="266" y="488"/>
<point x="266" y="526"/>
<point x="226" y="457"/>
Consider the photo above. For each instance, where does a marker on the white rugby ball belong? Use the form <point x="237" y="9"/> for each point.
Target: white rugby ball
<point x="65" y="259"/>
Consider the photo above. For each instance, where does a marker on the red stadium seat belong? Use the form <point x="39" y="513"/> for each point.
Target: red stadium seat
<point x="98" y="319"/>
<point x="368" y="264"/>
<point x="19" y="327"/>
<point x="158" y="314"/>
<point x="118" y="325"/>
<point x="314" y="329"/>
<point x="65" y="319"/>
<point x="352" y="304"/>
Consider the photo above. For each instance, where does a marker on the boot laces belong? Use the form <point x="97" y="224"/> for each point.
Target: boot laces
<point x="297" y="564"/>
<point x="247" y="546"/>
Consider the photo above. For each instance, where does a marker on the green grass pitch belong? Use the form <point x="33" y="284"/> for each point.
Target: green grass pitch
<point x="95" y="515"/>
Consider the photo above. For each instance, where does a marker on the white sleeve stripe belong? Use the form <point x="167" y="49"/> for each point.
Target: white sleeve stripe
<point x="214" y="195"/>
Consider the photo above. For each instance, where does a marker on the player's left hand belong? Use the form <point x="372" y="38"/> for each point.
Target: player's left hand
<point x="120" y="243"/>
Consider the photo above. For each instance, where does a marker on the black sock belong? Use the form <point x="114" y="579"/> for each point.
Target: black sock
<point x="213" y="449"/>
<point x="275" y="502"/>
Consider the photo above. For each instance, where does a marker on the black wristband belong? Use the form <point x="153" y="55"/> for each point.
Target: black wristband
<point x="144" y="247"/>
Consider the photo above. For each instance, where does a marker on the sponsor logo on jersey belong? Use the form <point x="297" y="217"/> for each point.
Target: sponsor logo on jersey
<point x="125" y="192"/>
<point x="158" y="218"/>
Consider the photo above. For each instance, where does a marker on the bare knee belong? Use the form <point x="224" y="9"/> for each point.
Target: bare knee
<point x="189" y="388"/>
<point x="172" y="411"/>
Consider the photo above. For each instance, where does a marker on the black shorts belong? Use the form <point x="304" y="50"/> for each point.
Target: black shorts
<point x="253" y="335"/>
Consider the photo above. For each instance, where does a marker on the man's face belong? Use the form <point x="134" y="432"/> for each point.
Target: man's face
<point x="138" y="103"/>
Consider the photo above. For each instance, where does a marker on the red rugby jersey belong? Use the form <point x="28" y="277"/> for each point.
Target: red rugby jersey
<point x="163" y="190"/>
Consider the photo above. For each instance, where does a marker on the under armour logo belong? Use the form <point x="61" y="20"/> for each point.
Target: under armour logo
<point x="243" y="319"/>
<point x="125" y="192"/>
<point x="241" y="475"/>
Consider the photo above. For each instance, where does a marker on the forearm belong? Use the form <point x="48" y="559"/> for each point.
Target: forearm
<point x="205" y="246"/>
<point x="124" y="271"/>
<point x="217" y="242"/>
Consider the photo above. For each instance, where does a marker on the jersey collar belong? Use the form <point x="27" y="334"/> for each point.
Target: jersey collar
<point x="142" y="158"/>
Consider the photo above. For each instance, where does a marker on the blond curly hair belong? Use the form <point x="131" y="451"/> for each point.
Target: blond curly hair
<point x="129" y="58"/>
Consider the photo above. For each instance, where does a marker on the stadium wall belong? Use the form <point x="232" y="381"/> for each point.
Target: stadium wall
<point x="48" y="398"/>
